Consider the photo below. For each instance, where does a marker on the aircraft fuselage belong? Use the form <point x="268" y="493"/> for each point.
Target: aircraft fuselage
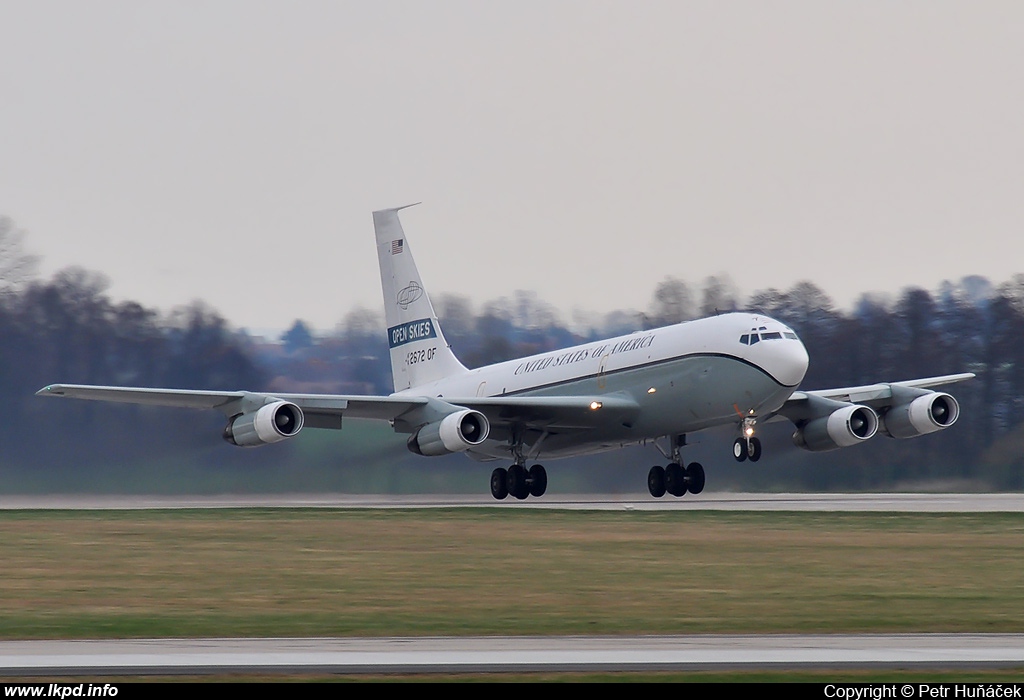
<point x="684" y="378"/>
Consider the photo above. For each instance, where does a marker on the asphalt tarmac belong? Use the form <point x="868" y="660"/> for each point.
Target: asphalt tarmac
<point x="834" y="502"/>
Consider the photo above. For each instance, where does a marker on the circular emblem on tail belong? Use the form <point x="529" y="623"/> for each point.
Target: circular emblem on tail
<point x="409" y="294"/>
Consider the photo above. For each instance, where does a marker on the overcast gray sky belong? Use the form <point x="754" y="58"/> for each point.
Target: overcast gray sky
<point x="233" y="151"/>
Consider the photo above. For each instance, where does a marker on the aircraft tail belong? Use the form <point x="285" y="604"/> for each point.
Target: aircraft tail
<point x="419" y="352"/>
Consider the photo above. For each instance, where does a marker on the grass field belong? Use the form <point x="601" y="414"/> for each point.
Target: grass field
<point x="280" y="572"/>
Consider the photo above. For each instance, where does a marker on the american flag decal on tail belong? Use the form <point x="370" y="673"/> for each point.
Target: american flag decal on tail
<point x="396" y="246"/>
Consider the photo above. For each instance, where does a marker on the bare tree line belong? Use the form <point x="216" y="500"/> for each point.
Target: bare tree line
<point x="67" y="329"/>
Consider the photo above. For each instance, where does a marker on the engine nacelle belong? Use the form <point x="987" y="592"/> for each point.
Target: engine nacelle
<point x="456" y="432"/>
<point x="925" y="414"/>
<point x="843" y="427"/>
<point x="272" y="423"/>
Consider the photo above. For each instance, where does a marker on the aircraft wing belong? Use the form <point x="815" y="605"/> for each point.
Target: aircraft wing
<point x="565" y="412"/>
<point x="326" y="410"/>
<point x="320" y="410"/>
<point x="178" y="398"/>
<point x="803" y="406"/>
<point x="875" y="395"/>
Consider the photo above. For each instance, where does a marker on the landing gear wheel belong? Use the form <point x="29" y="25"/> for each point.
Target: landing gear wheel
<point x="739" y="449"/>
<point x="754" y="450"/>
<point x="656" y="481"/>
<point x="499" y="483"/>
<point x="538" y="480"/>
<point x="516" y="482"/>
<point x="694" y="478"/>
<point x="675" y="480"/>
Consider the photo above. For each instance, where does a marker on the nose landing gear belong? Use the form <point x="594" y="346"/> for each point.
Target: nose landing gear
<point x="747" y="446"/>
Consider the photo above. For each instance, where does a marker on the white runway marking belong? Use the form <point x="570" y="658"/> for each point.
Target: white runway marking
<point x="492" y="654"/>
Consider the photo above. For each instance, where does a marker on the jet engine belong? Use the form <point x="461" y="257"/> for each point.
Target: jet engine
<point x="272" y="423"/>
<point x="456" y="432"/>
<point x="925" y="414"/>
<point x="843" y="427"/>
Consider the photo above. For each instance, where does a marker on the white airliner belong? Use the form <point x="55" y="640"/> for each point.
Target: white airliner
<point x="652" y="386"/>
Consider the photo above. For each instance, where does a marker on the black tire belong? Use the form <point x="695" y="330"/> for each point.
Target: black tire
<point x="739" y="449"/>
<point x="694" y="478"/>
<point x="538" y="481"/>
<point x="516" y="482"/>
<point x="675" y="480"/>
<point x="656" y="481"/>
<point x="499" y="483"/>
<point x="755" y="449"/>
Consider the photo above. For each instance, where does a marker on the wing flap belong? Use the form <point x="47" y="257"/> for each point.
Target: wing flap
<point x="326" y="410"/>
<point x="546" y="412"/>
<point x="371" y="407"/>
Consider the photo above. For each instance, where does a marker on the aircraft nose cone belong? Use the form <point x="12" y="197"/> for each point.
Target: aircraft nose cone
<point x="787" y="361"/>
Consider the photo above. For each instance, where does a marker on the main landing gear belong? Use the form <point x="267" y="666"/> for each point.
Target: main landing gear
<point x="519" y="482"/>
<point x="675" y="479"/>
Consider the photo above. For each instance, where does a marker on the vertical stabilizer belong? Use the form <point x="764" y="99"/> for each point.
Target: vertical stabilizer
<point x="419" y="352"/>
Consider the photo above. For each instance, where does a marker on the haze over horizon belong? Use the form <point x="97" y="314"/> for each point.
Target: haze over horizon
<point x="233" y="151"/>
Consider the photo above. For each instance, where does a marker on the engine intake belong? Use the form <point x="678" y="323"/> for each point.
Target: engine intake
<point x="843" y="427"/>
<point x="272" y="423"/>
<point x="456" y="432"/>
<point x="925" y="414"/>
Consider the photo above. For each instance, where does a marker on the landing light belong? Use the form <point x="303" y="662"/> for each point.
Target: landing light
<point x="651" y="390"/>
<point x="749" y="431"/>
<point x="594" y="405"/>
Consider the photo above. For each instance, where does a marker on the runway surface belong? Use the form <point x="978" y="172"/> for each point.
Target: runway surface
<point x="521" y="654"/>
<point x="509" y="654"/>
<point x="837" y="502"/>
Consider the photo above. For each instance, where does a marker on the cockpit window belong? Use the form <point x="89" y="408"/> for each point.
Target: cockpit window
<point x="755" y="337"/>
